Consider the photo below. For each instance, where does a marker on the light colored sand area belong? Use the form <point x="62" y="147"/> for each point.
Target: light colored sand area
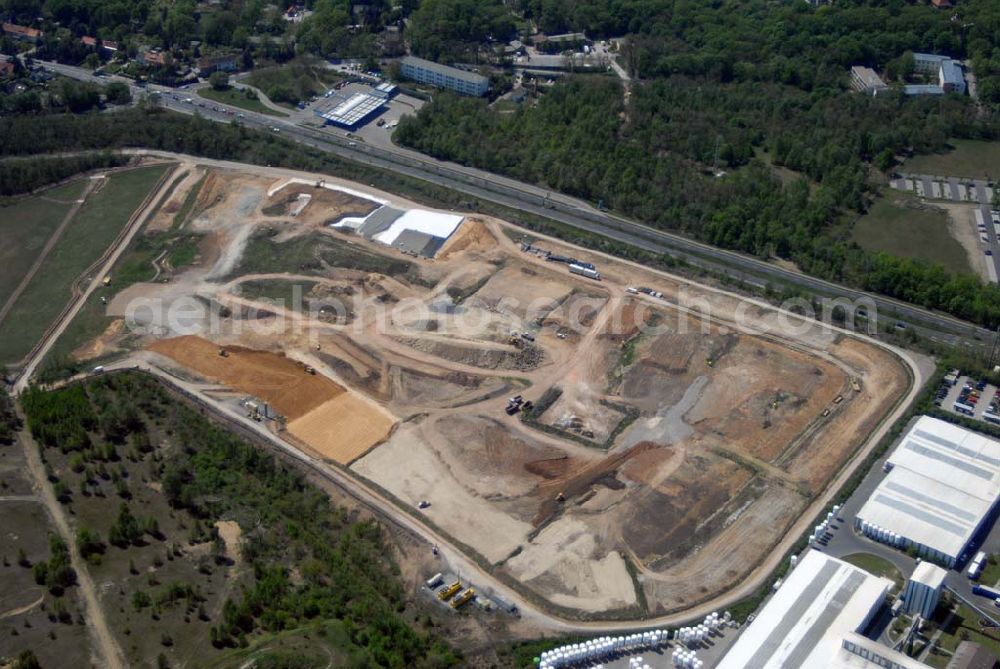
<point x="567" y="553"/>
<point x="344" y="428"/>
<point x="231" y="534"/>
<point x="279" y="380"/>
<point x="411" y="469"/>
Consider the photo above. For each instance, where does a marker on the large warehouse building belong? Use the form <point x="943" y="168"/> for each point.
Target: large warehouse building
<point x="940" y="492"/>
<point x="816" y="620"/>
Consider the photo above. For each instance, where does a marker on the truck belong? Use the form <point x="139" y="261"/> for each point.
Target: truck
<point x="450" y="591"/>
<point x="975" y="567"/>
<point x="435" y="580"/>
<point x="983" y="591"/>
<point x="588" y="272"/>
<point x="463" y="599"/>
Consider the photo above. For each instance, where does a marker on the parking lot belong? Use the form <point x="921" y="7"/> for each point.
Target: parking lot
<point x="970" y="397"/>
<point x="375" y="129"/>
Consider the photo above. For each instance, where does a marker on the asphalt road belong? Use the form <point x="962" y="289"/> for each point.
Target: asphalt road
<point x="567" y="210"/>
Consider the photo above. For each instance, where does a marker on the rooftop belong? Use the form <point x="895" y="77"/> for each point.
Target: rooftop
<point x="943" y="482"/>
<point x="951" y="72"/>
<point x="804" y="624"/>
<point x="353" y="110"/>
<point x="445" y="70"/>
<point x="929" y="574"/>
<point x="855" y="647"/>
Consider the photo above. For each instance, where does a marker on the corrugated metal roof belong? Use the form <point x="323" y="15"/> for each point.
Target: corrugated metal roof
<point x="944" y="481"/>
<point x="803" y="625"/>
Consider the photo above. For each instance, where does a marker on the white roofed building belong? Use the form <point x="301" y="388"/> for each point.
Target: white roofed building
<point x="821" y="602"/>
<point x="943" y="484"/>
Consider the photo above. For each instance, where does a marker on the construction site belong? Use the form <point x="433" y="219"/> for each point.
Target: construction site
<point x="610" y="451"/>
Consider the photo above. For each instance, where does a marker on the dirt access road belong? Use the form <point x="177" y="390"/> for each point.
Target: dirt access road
<point x="104" y="640"/>
<point x="139" y="218"/>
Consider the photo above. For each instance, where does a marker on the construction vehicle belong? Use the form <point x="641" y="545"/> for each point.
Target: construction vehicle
<point x="450" y="591"/>
<point x="310" y="370"/>
<point x="223" y="353"/>
<point x="463" y="599"/>
<point x="107" y="280"/>
<point x="561" y="497"/>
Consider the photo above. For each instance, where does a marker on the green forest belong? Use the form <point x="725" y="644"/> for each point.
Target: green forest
<point x="342" y="570"/>
<point x="790" y="43"/>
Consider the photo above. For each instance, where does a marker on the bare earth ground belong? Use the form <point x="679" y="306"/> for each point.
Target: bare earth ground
<point x="962" y="226"/>
<point x="682" y="446"/>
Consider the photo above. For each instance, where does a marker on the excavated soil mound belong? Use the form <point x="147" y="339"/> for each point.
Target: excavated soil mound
<point x="280" y="381"/>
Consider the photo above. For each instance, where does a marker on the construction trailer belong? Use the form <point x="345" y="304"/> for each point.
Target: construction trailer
<point x="582" y="270"/>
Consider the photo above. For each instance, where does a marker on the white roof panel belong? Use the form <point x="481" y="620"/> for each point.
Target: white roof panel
<point x="943" y="482"/>
<point x="804" y="624"/>
<point x="433" y="223"/>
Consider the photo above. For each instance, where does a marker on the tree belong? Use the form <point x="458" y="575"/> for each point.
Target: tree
<point x="118" y="93"/>
<point x="26" y="660"/>
<point x="219" y="80"/>
<point x="885" y="160"/>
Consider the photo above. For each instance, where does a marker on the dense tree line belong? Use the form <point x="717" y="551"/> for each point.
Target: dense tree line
<point x="654" y="161"/>
<point x="28" y="174"/>
<point x="790" y="43"/>
<point x="9" y="420"/>
<point x="447" y="30"/>
<point x="342" y="566"/>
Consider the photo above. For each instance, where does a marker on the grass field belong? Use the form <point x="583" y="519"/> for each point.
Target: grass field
<point x="25" y="225"/>
<point x="294" y="81"/>
<point x="306" y="255"/>
<point x="98" y="223"/>
<point x="873" y="564"/>
<point x="964" y="622"/>
<point x="901" y="230"/>
<point x="970" y="158"/>
<point x="236" y="98"/>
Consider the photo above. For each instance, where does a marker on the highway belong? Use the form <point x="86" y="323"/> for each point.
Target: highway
<point x="564" y="209"/>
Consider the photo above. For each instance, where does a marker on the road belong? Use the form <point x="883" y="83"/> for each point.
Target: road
<point x="564" y="209"/>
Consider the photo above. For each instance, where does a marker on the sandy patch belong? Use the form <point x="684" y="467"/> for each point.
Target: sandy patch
<point x="472" y="235"/>
<point x="231" y="533"/>
<point x="565" y="556"/>
<point x="343" y="428"/>
<point x="412" y="471"/>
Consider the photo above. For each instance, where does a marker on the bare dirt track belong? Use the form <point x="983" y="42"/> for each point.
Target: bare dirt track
<point x="679" y="445"/>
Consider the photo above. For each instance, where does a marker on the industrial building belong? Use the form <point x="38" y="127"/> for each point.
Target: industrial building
<point x="941" y="490"/>
<point x="353" y="111"/>
<point x="866" y="80"/>
<point x="806" y="622"/>
<point x="416" y="231"/>
<point x="949" y="73"/>
<point x="442" y="76"/>
<point x="923" y="590"/>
